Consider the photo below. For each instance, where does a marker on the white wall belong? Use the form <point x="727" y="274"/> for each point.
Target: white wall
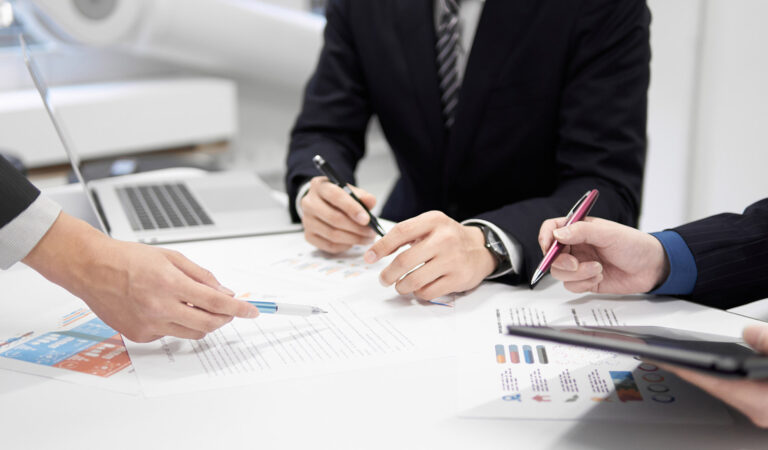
<point x="674" y="42"/>
<point x="730" y="154"/>
<point x="707" y="109"/>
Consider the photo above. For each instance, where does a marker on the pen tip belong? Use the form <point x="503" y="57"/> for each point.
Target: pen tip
<point x="536" y="277"/>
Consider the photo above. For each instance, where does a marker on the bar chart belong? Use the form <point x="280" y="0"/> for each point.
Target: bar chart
<point x="521" y="354"/>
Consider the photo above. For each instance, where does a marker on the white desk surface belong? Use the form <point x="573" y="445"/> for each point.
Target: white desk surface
<point x="404" y="406"/>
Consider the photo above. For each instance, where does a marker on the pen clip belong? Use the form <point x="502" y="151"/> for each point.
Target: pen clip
<point x="576" y="206"/>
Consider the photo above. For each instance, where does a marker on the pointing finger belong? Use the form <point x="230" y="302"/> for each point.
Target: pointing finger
<point x="403" y="233"/>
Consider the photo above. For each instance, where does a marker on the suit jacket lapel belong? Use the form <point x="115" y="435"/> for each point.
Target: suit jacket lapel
<point x="416" y="31"/>
<point x="501" y="25"/>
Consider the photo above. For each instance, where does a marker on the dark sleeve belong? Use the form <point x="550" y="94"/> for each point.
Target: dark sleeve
<point x="335" y="112"/>
<point x="16" y="192"/>
<point x="731" y="254"/>
<point x="602" y="126"/>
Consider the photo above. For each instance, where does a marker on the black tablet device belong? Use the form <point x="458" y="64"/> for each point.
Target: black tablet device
<point x="669" y="345"/>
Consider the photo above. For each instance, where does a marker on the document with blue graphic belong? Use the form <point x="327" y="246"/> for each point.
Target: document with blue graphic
<point x="504" y="376"/>
<point x="57" y="336"/>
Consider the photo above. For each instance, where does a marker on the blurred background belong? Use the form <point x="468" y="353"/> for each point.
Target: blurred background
<point x="218" y="83"/>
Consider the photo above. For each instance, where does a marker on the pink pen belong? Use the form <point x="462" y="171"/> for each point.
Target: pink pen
<point x="578" y="212"/>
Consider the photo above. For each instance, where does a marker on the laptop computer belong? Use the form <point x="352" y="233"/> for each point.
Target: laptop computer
<point x="172" y="209"/>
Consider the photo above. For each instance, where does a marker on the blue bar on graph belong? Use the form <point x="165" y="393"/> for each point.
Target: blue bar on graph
<point x="528" y="354"/>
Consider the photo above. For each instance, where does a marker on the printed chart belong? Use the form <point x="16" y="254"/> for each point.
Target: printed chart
<point x="318" y="265"/>
<point x="81" y="349"/>
<point x="523" y="354"/>
<point x="515" y="377"/>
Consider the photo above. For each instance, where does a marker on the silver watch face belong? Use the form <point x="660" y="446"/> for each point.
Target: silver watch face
<point x="498" y="248"/>
<point x="493" y="243"/>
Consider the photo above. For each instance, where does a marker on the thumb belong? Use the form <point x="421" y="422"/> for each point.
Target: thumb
<point x="757" y="337"/>
<point x="368" y="199"/>
<point x="581" y="233"/>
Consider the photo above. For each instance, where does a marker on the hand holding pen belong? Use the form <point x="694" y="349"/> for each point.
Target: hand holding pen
<point x="579" y="211"/>
<point x="334" y="178"/>
<point x="604" y="257"/>
<point x="333" y="220"/>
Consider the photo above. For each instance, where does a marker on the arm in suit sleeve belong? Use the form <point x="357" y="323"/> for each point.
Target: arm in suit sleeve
<point x="336" y="109"/>
<point x="731" y="255"/>
<point x="602" y="126"/>
<point x="25" y="215"/>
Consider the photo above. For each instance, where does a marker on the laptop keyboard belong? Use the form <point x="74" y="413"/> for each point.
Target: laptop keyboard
<point x="160" y="206"/>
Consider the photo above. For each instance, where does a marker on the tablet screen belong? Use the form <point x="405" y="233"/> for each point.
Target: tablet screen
<point x="720" y="355"/>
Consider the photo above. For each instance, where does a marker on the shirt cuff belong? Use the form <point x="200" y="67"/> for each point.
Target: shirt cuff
<point x="297" y="202"/>
<point x="19" y="236"/>
<point x="682" y="265"/>
<point x="514" y="249"/>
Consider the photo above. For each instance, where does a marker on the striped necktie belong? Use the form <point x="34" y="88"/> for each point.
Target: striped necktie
<point x="447" y="58"/>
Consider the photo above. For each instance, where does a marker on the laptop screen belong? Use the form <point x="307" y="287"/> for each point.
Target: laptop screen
<point x="66" y="142"/>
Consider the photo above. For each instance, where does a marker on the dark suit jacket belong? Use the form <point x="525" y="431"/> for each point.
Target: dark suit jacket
<point x="553" y="103"/>
<point x="16" y="192"/>
<point x="731" y="253"/>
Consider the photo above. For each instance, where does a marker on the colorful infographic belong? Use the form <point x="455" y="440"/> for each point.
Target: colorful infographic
<point x="82" y="343"/>
<point x="519" y="378"/>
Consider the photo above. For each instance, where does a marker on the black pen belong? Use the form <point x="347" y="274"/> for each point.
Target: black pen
<point x="325" y="168"/>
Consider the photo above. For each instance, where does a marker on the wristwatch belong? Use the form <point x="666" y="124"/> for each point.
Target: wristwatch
<point x="494" y="245"/>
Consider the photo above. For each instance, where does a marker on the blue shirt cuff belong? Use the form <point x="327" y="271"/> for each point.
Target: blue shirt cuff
<point x="682" y="266"/>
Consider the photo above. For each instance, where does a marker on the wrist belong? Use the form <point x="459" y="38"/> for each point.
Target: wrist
<point x="486" y="262"/>
<point x="660" y="264"/>
<point x="67" y="252"/>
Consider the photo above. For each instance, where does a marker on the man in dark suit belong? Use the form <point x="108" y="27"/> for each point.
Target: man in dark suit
<point x="719" y="261"/>
<point x="141" y="291"/>
<point x="500" y="113"/>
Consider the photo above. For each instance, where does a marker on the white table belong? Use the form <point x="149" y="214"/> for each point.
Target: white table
<point x="403" y="406"/>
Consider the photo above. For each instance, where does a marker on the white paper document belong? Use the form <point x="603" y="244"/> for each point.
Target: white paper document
<point x="366" y="326"/>
<point x="504" y="376"/>
<point x="246" y="351"/>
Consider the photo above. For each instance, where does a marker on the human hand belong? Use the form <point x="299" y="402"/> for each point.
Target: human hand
<point x="748" y="396"/>
<point x="454" y="256"/>
<point x="333" y="220"/>
<point x="604" y="257"/>
<point x="141" y="291"/>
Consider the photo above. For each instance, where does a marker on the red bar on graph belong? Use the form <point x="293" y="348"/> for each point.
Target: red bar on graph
<point x="514" y="356"/>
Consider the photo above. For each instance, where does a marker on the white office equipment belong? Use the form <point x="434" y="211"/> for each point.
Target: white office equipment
<point x="220" y="36"/>
<point x="120" y="117"/>
<point x="176" y="209"/>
